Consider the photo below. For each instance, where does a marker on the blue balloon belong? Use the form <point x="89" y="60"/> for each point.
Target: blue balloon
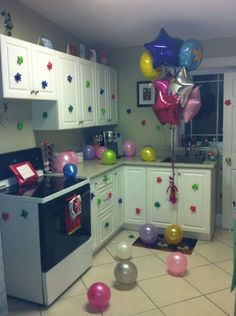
<point x="190" y="54"/>
<point x="164" y="50"/>
<point x="70" y="170"/>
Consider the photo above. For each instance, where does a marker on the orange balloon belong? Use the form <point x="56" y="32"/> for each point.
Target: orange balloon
<point x="173" y="234"/>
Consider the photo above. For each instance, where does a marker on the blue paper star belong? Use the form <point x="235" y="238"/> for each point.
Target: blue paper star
<point x="44" y="84"/>
<point x="17" y="77"/>
<point x="69" y="78"/>
<point x="164" y="49"/>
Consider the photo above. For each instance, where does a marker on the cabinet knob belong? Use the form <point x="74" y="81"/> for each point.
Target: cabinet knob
<point x="228" y="160"/>
<point x="36" y="92"/>
<point x="32" y="92"/>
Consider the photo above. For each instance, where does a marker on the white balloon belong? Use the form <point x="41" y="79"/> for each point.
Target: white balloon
<point x="124" y="250"/>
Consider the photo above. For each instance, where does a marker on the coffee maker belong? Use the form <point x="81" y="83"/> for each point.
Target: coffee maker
<point x="113" y="140"/>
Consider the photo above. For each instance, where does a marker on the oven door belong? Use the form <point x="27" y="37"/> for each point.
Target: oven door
<point x="65" y="225"/>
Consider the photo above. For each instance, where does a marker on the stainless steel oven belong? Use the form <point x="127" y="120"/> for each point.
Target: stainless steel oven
<point x="46" y="231"/>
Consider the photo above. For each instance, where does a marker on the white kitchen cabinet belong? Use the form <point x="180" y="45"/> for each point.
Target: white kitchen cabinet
<point x="147" y="199"/>
<point x="28" y="71"/>
<point x="196" y="202"/>
<point x="87" y="110"/>
<point x="119" y="197"/>
<point x="112" y="96"/>
<point x="106" y="90"/>
<point x="161" y="212"/>
<point x="135" y="195"/>
<point x="63" y="113"/>
<point x="102" y="205"/>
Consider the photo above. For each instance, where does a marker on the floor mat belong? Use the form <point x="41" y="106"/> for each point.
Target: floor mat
<point x="186" y="246"/>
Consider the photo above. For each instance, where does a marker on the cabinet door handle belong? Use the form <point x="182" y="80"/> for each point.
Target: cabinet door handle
<point x="228" y="160"/>
<point x="32" y="92"/>
<point x="107" y="224"/>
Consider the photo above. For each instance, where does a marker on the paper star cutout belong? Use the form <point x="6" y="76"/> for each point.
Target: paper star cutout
<point x="24" y="214"/>
<point x="20" y="60"/>
<point x="44" y="84"/>
<point x="69" y="78"/>
<point x="49" y="66"/>
<point x="17" y="77"/>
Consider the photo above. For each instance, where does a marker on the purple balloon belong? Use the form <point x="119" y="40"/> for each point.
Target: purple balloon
<point x="88" y="152"/>
<point x="148" y="233"/>
<point x="129" y="148"/>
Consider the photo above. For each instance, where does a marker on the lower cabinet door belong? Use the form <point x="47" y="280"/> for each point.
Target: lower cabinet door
<point x="160" y="211"/>
<point x="105" y="226"/>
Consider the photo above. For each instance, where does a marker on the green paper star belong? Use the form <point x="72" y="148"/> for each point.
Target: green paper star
<point x="103" y="111"/>
<point x="24" y="214"/>
<point x="20" y="125"/>
<point x="20" y="60"/>
<point x="87" y="84"/>
<point x="157" y="127"/>
<point x="157" y="204"/>
<point x="45" y="115"/>
<point x="195" y="186"/>
<point x="70" y="108"/>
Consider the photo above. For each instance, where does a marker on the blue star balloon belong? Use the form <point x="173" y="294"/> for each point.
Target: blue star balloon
<point x="164" y="50"/>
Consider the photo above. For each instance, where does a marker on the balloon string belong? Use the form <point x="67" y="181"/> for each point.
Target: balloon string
<point x="172" y="187"/>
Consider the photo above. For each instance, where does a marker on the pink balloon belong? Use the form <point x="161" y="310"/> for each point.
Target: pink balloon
<point x="99" y="294"/>
<point x="161" y="85"/>
<point x="177" y="262"/>
<point x="129" y="148"/>
<point x="99" y="151"/>
<point x="74" y="157"/>
<point x="61" y="160"/>
<point x="192" y="106"/>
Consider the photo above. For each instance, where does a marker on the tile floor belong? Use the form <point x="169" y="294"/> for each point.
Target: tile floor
<point x="204" y="290"/>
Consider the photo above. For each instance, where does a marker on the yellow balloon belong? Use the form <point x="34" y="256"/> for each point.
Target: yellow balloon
<point x="173" y="234"/>
<point x="148" y="153"/>
<point x="146" y="67"/>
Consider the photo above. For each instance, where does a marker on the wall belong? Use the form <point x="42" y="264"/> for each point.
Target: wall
<point x="126" y="60"/>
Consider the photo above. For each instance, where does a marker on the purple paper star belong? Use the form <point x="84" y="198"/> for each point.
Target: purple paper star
<point x="44" y="84"/>
<point x="69" y="78"/>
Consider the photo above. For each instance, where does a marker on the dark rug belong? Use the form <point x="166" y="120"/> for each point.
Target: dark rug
<point x="186" y="246"/>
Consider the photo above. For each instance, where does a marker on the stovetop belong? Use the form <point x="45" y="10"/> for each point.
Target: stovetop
<point x="45" y="189"/>
<point x="45" y="186"/>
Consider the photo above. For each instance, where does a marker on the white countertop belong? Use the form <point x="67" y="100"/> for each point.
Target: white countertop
<point x="95" y="167"/>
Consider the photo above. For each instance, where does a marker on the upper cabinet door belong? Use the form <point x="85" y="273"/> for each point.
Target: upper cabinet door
<point x="102" y="94"/>
<point x="112" y="95"/>
<point x="44" y="72"/>
<point x="87" y="113"/>
<point x="68" y="98"/>
<point x="28" y="71"/>
<point x="16" y="74"/>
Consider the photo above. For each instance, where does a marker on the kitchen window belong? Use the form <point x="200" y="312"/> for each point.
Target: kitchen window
<point x="206" y="128"/>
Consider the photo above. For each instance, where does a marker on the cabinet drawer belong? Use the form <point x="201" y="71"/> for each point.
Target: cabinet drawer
<point x="103" y="180"/>
<point x="105" y="226"/>
<point x="104" y="199"/>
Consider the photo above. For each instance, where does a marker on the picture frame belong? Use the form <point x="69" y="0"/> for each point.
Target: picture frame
<point x="44" y="41"/>
<point x="145" y="93"/>
<point x="72" y="49"/>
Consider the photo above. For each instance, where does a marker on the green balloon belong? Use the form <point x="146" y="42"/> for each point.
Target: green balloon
<point x="108" y="157"/>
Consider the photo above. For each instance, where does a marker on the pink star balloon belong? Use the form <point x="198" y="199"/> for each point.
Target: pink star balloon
<point x="192" y="106"/>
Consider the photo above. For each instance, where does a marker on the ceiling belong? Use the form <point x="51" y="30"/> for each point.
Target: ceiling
<point x="124" y="23"/>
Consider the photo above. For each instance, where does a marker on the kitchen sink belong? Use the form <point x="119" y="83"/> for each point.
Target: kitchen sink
<point x="184" y="159"/>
